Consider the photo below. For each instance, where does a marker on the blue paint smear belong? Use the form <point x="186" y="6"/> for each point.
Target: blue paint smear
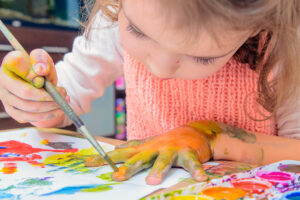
<point x="293" y="196"/>
<point x="70" y="190"/>
<point x="3" y="147"/>
<point x="7" y="196"/>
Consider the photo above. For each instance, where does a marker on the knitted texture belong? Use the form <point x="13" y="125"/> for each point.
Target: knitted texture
<point x="155" y="106"/>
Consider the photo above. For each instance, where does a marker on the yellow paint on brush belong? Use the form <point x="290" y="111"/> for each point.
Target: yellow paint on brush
<point x="226" y="193"/>
<point x="45" y="141"/>
<point x="73" y="161"/>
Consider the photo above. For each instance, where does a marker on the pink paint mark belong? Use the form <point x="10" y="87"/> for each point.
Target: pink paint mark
<point x="275" y="176"/>
<point x="18" y="151"/>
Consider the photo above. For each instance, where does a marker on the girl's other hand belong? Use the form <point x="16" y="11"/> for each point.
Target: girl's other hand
<point x="186" y="146"/>
<point x="21" y="89"/>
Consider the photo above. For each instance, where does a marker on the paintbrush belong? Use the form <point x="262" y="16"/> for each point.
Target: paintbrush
<point x="49" y="87"/>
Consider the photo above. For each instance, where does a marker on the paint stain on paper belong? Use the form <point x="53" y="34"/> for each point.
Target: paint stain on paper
<point x="290" y="168"/>
<point x="9" y="168"/>
<point x="84" y="188"/>
<point x="71" y="162"/>
<point x="106" y="177"/>
<point x="36" y="182"/>
<point x="60" y="145"/>
<point x="18" y="151"/>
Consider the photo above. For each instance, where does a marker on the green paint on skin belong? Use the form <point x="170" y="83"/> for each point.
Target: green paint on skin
<point x="239" y="134"/>
<point x="35" y="182"/>
<point x="106" y="177"/>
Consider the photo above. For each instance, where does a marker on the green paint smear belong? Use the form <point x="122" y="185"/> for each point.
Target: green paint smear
<point x="106" y="177"/>
<point x="8" y="188"/>
<point x="35" y="182"/>
<point x="100" y="188"/>
<point x="72" y="161"/>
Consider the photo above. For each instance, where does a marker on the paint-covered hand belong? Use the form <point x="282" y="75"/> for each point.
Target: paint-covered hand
<point x="186" y="146"/>
<point x="21" y="90"/>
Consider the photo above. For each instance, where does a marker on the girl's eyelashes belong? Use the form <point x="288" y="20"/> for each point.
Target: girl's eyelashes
<point x="135" y="31"/>
<point x="204" y="61"/>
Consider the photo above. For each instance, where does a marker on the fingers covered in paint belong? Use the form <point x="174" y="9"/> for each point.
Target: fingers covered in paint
<point x="17" y="65"/>
<point x="136" y="163"/>
<point x="161" y="166"/>
<point x="185" y="146"/>
<point x="42" y="64"/>
<point x="188" y="159"/>
<point x="24" y="102"/>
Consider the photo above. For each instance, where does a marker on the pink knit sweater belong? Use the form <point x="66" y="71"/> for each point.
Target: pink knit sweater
<point x="155" y="106"/>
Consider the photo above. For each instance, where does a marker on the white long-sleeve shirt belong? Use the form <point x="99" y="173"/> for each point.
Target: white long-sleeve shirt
<point x="95" y="63"/>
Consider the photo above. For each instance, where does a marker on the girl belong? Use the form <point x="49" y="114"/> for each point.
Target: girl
<point x="204" y="80"/>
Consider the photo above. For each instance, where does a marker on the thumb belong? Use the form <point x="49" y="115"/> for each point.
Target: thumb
<point x="42" y="65"/>
<point x="17" y="65"/>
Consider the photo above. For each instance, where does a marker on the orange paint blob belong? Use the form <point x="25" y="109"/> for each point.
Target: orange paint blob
<point x="251" y="185"/>
<point x="120" y="174"/>
<point x="9" y="168"/>
<point x="44" y="142"/>
<point x="190" y="197"/>
<point x="226" y="193"/>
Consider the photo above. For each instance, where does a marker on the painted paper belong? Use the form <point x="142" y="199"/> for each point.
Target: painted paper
<point x="41" y="165"/>
<point x="279" y="180"/>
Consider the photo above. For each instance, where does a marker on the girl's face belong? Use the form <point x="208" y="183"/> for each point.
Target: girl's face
<point x="168" y="52"/>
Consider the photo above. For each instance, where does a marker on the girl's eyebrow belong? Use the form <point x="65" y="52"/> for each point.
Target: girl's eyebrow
<point x="205" y="57"/>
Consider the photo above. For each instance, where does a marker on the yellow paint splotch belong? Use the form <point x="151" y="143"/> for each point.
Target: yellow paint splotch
<point x="72" y="161"/>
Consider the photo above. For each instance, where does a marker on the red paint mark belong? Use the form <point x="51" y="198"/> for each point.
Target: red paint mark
<point x="36" y="164"/>
<point x="9" y="168"/>
<point x="251" y="185"/>
<point x="18" y="151"/>
<point x="275" y="177"/>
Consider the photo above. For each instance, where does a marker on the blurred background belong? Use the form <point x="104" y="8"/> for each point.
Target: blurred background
<point x="53" y="25"/>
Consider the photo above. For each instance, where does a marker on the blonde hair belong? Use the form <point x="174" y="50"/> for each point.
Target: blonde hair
<point x="275" y="47"/>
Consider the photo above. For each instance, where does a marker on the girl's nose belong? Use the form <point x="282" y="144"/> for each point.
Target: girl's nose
<point x="162" y="64"/>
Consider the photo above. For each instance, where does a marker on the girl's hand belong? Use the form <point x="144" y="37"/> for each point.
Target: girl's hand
<point x="186" y="146"/>
<point x="21" y="87"/>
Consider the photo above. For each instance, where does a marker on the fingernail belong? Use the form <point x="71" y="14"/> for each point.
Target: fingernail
<point x="38" y="82"/>
<point x="40" y="68"/>
<point x="200" y="176"/>
<point x="154" y="179"/>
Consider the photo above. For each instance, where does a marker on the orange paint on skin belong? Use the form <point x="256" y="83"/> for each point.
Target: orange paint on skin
<point x="9" y="168"/>
<point x="226" y="193"/>
<point x="120" y="174"/>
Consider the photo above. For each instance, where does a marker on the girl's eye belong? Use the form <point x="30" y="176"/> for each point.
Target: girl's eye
<point x="204" y="61"/>
<point x="134" y="31"/>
